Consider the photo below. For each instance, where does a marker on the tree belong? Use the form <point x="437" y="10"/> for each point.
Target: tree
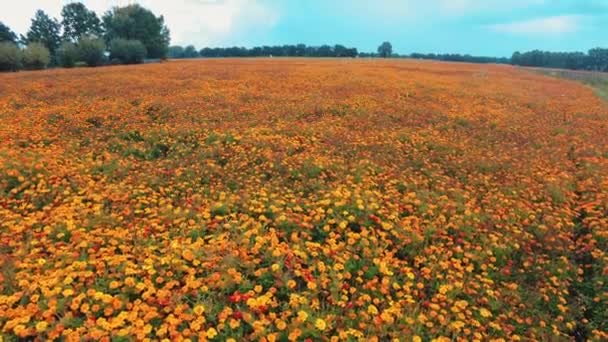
<point x="67" y="54"/>
<point x="91" y="51"/>
<point x="44" y="30"/>
<point x="340" y="51"/>
<point x="127" y="51"/>
<point x="516" y="58"/>
<point x="10" y="56"/>
<point x="190" y="52"/>
<point x="385" y="50"/>
<point x="36" y="56"/>
<point x="300" y="50"/>
<point x="78" y="21"/>
<point x="134" y="22"/>
<point x="6" y="34"/>
<point x="598" y="59"/>
<point x="176" y="51"/>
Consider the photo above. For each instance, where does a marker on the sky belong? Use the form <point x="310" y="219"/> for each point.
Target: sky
<point x="478" y="27"/>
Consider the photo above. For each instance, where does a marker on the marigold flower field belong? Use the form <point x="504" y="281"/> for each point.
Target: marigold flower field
<point x="302" y="200"/>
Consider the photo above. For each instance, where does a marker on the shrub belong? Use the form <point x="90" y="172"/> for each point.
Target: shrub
<point x="91" y="51"/>
<point x="67" y="55"/>
<point x="127" y="51"/>
<point x="36" y="56"/>
<point x="10" y="57"/>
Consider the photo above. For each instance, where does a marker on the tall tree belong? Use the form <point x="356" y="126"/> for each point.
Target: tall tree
<point x="598" y="59"/>
<point x="190" y="52"/>
<point x="385" y="50"/>
<point x="44" y="30"/>
<point x="78" y="21"/>
<point x="6" y="34"/>
<point x="176" y="51"/>
<point x="134" y="22"/>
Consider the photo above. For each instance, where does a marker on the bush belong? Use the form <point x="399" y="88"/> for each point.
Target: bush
<point x="127" y="51"/>
<point x="36" y="56"/>
<point x="67" y="55"/>
<point x="91" y="51"/>
<point x="10" y="57"/>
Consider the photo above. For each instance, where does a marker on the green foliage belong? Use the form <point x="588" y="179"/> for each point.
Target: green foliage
<point x="300" y="50"/>
<point x="190" y="52"/>
<point x="456" y="57"/>
<point x="175" y="51"/>
<point x="10" y="57"/>
<point x="44" y="30"/>
<point x="596" y="59"/>
<point x="67" y="54"/>
<point x="78" y="21"/>
<point x="6" y="34"/>
<point x="91" y="51"/>
<point x="134" y="22"/>
<point x="385" y="50"/>
<point x="127" y="51"/>
<point x="556" y="193"/>
<point x="36" y="56"/>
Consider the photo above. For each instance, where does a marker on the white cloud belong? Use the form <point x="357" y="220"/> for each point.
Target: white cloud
<point x="209" y="22"/>
<point x="544" y="26"/>
<point x="198" y="22"/>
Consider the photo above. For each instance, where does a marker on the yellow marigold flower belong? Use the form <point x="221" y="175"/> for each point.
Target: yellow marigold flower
<point x="198" y="310"/>
<point x="416" y="338"/>
<point x="41" y="326"/>
<point x="457" y="325"/>
<point x="211" y="333"/>
<point x="281" y="325"/>
<point x="114" y="284"/>
<point x="294" y="335"/>
<point x="320" y="324"/>
<point x="19" y="328"/>
<point x="187" y="255"/>
<point x="485" y="313"/>
<point x="258" y="288"/>
<point x="302" y="316"/>
<point x="230" y="340"/>
<point x="291" y="283"/>
<point x="311" y="285"/>
<point x="372" y="310"/>
<point x="441" y="339"/>
<point x="462" y="304"/>
<point x="386" y="317"/>
<point x="275" y="267"/>
<point x="234" y="324"/>
<point x="129" y="281"/>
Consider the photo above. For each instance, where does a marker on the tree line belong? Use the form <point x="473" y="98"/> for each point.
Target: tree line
<point x="299" y="50"/>
<point x="123" y="35"/>
<point x="595" y="59"/>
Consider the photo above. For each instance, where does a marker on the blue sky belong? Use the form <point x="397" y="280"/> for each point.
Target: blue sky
<point x="480" y="27"/>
